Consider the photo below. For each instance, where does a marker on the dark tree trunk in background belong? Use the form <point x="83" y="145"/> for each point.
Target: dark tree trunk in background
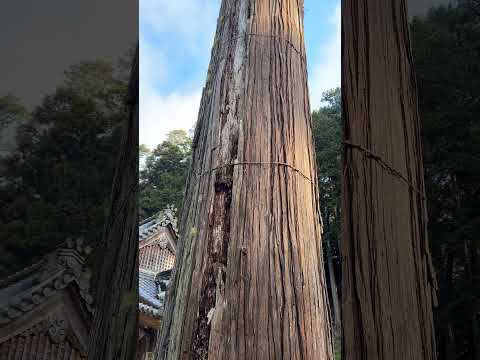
<point x="115" y="329"/>
<point x="446" y="339"/>
<point x="335" y="303"/>
<point x="388" y="281"/>
<point x="249" y="280"/>
<point x="472" y="303"/>
<point x="475" y="283"/>
<point x="337" y="321"/>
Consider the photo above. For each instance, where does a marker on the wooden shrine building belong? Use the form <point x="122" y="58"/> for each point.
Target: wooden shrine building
<point x="46" y="309"/>
<point x="157" y="247"/>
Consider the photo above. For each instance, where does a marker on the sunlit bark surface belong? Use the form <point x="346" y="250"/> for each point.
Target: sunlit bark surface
<point x="388" y="280"/>
<point x="249" y="281"/>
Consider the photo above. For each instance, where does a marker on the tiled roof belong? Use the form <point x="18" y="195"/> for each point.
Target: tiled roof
<point x="148" y="289"/>
<point x="165" y="218"/>
<point x="30" y="287"/>
<point x="152" y="289"/>
<point x="152" y="286"/>
<point x="147" y="229"/>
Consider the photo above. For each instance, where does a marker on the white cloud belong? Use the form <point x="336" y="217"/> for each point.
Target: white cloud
<point x="191" y="22"/>
<point x="189" y="26"/>
<point x="161" y="114"/>
<point x="326" y="74"/>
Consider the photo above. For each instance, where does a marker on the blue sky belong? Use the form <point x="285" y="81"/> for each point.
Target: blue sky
<point x="175" y="43"/>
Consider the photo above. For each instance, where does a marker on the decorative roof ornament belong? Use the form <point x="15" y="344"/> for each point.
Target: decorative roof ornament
<point x="169" y="217"/>
<point x="56" y="329"/>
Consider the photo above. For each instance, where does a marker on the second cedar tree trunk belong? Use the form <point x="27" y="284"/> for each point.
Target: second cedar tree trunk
<point x="249" y="280"/>
<point x="114" y="332"/>
<point x="388" y="281"/>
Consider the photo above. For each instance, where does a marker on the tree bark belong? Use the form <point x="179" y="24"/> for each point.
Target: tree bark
<point x="388" y="281"/>
<point x="114" y="332"/>
<point x="249" y="279"/>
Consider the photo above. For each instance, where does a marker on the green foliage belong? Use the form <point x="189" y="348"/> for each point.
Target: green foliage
<point x="327" y="137"/>
<point x="162" y="180"/>
<point x="143" y="150"/>
<point x="337" y="346"/>
<point x="58" y="181"/>
<point x="326" y="126"/>
<point x="446" y="48"/>
<point x="10" y="109"/>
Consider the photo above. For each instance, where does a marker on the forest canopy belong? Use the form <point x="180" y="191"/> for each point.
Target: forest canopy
<point x="446" y="51"/>
<point x="57" y="175"/>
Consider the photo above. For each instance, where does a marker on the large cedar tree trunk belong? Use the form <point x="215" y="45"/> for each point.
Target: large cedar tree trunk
<point x="388" y="281"/>
<point x="114" y="331"/>
<point x="249" y="280"/>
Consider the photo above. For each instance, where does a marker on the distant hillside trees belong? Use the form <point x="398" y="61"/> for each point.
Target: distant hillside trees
<point x="164" y="173"/>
